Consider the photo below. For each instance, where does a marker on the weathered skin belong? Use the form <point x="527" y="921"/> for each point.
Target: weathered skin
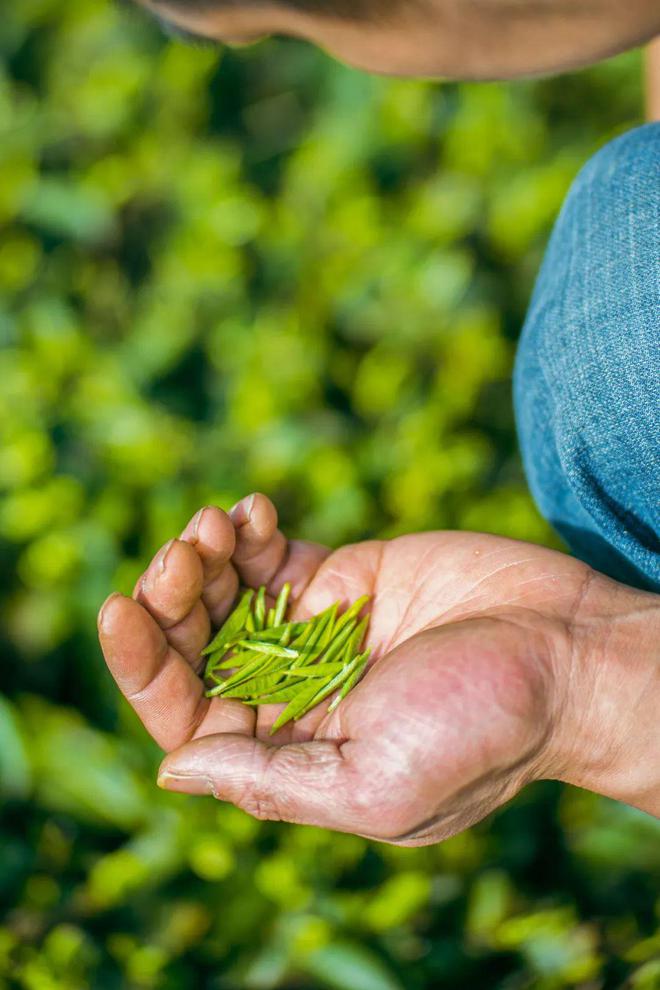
<point x="496" y="663"/>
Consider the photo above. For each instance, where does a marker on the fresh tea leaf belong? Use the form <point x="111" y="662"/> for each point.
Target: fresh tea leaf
<point x="352" y="680"/>
<point x="287" y="693"/>
<point x="351" y="613"/>
<point x="244" y="674"/>
<point x="270" y="649"/>
<point x="274" y="661"/>
<point x="296" y="707"/>
<point x="281" y="604"/>
<point x="233" y="626"/>
<point x="329" y="628"/>
<point x="320" y="632"/>
<point x="260" y="608"/>
<point x="355" y="642"/>
<point x="258" y="686"/>
<point x="235" y="660"/>
<point x="339" y="642"/>
<point x="274" y="634"/>
<point x="328" y="688"/>
<point x="319" y="670"/>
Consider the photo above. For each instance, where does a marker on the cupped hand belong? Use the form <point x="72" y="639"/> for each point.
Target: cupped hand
<point x="470" y="636"/>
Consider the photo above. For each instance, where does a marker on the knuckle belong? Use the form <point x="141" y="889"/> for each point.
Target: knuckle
<point x="259" y="798"/>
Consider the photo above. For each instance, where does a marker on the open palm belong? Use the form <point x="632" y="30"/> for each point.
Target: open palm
<point x="453" y="717"/>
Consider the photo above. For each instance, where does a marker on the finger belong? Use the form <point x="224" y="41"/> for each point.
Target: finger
<point x="263" y="555"/>
<point x="227" y="715"/>
<point x="309" y="783"/>
<point x="212" y="534"/>
<point x="260" y="546"/>
<point x="170" y="591"/>
<point x="165" y="693"/>
<point x="159" y="684"/>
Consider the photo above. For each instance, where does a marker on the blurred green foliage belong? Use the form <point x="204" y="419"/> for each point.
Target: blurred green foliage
<point x="222" y="272"/>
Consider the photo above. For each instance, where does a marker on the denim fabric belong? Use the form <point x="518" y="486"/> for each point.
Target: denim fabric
<point x="587" y="377"/>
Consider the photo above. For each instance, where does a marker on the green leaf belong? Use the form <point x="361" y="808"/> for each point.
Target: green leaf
<point x="295" y="708"/>
<point x="214" y="662"/>
<point x="244" y="674"/>
<point x="287" y="693"/>
<point x="281" y="603"/>
<point x="235" y="660"/>
<point x="339" y="642"/>
<point x="319" y="670"/>
<point x="270" y="649"/>
<point x="274" y="634"/>
<point x="260" y="608"/>
<point x="355" y="642"/>
<point x="328" y="688"/>
<point x="328" y="632"/>
<point x="15" y="770"/>
<point x="238" y="659"/>
<point x="352" y="679"/>
<point x="305" y="635"/>
<point x="82" y="772"/>
<point x="348" y="966"/>
<point x="351" y="613"/>
<point x="320" y="631"/>
<point x="233" y="626"/>
<point x="258" y="686"/>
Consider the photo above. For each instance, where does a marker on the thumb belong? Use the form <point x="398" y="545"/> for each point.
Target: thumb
<point x="309" y="783"/>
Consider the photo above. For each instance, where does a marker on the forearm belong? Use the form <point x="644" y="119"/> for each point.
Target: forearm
<point x="608" y="737"/>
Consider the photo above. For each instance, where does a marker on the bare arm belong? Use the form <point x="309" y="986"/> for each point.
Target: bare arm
<point x="608" y="739"/>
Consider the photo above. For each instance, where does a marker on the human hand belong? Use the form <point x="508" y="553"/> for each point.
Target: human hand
<point x="489" y="654"/>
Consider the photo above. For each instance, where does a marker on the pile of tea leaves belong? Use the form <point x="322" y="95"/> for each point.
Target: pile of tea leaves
<point x="260" y="658"/>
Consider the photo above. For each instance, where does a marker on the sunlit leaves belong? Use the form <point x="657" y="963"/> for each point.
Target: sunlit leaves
<point x="228" y="271"/>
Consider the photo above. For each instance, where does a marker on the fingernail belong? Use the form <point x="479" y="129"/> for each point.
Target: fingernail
<point x="103" y="613"/>
<point x="160" y="561"/>
<point x="196" y="524"/>
<point x="197" y="784"/>
<point x="240" y="513"/>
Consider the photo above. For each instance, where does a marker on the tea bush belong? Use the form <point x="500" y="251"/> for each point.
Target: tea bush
<point x="228" y="271"/>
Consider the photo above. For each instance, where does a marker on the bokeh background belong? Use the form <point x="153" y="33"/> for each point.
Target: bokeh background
<point x="228" y="271"/>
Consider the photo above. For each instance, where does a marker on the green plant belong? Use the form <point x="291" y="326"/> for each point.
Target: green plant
<point x="247" y="270"/>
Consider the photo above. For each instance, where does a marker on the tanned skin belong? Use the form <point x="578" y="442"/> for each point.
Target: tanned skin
<point x="496" y="663"/>
<point x="460" y="39"/>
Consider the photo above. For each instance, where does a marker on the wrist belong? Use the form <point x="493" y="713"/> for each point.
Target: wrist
<point x="607" y="735"/>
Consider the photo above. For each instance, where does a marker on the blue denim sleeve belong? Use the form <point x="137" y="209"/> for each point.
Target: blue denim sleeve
<point x="587" y="377"/>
